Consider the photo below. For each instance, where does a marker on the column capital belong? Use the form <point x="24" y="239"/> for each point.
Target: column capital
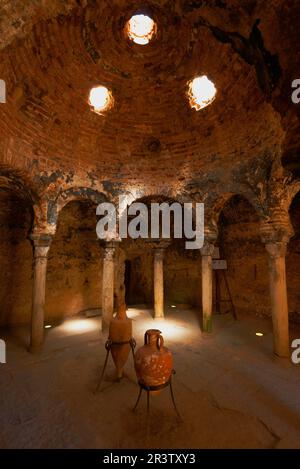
<point x="41" y="239"/>
<point x="158" y="243"/>
<point x="41" y="243"/>
<point x="109" y="249"/>
<point x="159" y="253"/>
<point x="276" y="250"/>
<point x="112" y="244"/>
<point x="277" y="228"/>
<point x="109" y="244"/>
<point x="207" y="249"/>
<point x="210" y="232"/>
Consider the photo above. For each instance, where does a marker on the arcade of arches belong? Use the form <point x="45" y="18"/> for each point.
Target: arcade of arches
<point x="238" y="154"/>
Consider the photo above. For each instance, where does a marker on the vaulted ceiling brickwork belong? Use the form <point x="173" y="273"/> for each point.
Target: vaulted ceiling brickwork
<point x="52" y="53"/>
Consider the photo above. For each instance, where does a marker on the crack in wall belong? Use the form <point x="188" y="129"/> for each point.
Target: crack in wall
<point x="253" y="51"/>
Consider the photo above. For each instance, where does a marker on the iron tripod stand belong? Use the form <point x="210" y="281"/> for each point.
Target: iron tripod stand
<point x="148" y="389"/>
<point x="108" y="345"/>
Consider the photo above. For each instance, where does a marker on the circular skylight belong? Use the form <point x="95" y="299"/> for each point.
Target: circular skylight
<point x="100" y="99"/>
<point x="141" y="29"/>
<point x="201" y="93"/>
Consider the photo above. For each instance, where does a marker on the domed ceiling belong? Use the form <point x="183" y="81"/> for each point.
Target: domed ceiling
<point x="53" y="53"/>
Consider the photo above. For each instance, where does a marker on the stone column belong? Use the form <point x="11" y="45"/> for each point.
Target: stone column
<point x="276" y="232"/>
<point x="158" y="283"/>
<point x="279" y="302"/>
<point x="207" y="285"/>
<point x="41" y="244"/>
<point x="108" y="285"/>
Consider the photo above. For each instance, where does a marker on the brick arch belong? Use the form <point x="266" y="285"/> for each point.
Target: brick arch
<point x="70" y="195"/>
<point x="74" y="255"/>
<point x="161" y="198"/>
<point x="295" y="198"/>
<point x="292" y="192"/>
<point x="20" y="206"/>
<point x="216" y="206"/>
<point x="20" y="184"/>
<point x="155" y="198"/>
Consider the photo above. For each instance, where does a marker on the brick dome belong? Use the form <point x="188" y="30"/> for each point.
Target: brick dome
<point x="57" y="53"/>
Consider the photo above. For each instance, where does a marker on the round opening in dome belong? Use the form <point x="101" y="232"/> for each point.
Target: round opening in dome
<point x="201" y="93"/>
<point x="141" y="29"/>
<point x="100" y="99"/>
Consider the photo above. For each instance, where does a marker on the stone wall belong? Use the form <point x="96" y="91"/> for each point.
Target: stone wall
<point x="293" y="262"/>
<point x="15" y="260"/>
<point x="248" y="262"/>
<point x="247" y="268"/>
<point x="150" y="143"/>
<point x="182" y="275"/>
<point x="74" y="263"/>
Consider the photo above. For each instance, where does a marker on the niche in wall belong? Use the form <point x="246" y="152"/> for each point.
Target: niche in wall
<point x="16" y="218"/>
<point x="74" y="272"/>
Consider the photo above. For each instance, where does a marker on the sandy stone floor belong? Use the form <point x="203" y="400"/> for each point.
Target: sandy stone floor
<point x="231" y="391"/>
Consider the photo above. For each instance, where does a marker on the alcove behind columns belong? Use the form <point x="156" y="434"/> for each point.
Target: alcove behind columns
<point x="74" y="273"/>
<point x="293" y="262"/>
<point x="16" y="219"/>
<point x="181" y="267"/>
<point x="247" y="260"/>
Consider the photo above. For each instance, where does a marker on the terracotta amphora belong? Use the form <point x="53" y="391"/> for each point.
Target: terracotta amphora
<point x="153" y="362"/>
<point x="120" y="331"/>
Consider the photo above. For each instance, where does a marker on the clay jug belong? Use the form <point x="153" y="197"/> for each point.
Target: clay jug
<point x="120" y="330"/>
<point x="153" y="362"/>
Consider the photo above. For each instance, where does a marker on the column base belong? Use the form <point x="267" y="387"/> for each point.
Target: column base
<point x="160" y="316"/>
<point x="35" y="348"/>
<point x="282" y="357"/>
<point x="207" y="324"/>
<point x="284" y="353"/>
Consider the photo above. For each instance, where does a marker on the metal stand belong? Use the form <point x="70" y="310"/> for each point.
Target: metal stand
<point x="108" y="345"/>
<point x="148" y="389"/>
<point x="220" y="300"/>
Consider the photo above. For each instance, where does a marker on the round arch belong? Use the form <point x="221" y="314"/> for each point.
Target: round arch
<point x="180" y="266"/>
<point x="293" y="260"/>
<point x="74" y="261"/>
<point x="216" y="205"/>
<point x="240" y="245"/>
<point x="18" y="207"/>
<point x="69" y="195"/>
<point x="292" y="192"/>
